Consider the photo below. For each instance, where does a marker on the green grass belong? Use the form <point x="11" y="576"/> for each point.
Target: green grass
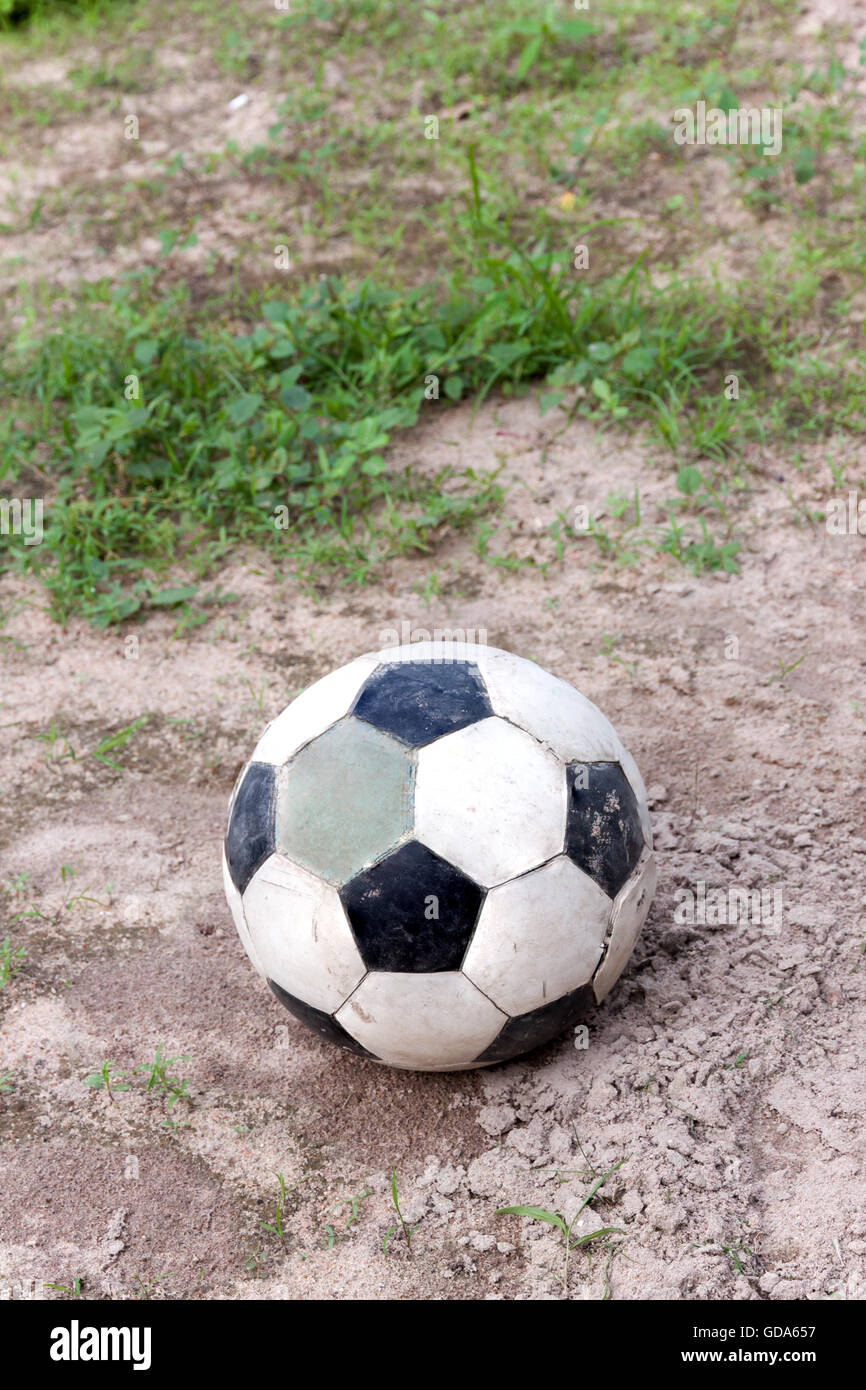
<point x="556" y="102"/>
<point x="163" y="437"/>
<point x="400" y="1225"/>
<point x="72" y="901"/>
<point x="174" y="1088"/>
<point x="11" y="961"/>
<point x="276" y="1226"/>
<point x="73" y="1290"/>
<point x="17" y="13"/>
<point x="341" y="1225"/>
<point x="565" y="1227"/>
<point x="114" y="742"/>
<point x="107" y="1079"/>
<point x="166" y="428"/>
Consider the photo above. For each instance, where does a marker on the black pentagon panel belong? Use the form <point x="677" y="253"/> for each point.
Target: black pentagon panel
<point x="324" y="1024"/>
<point x="417" y="701"/>
<point x="250" y="836"/>
<point x="412" y="911"/>
<point x="539" y="1026"/>
<point x="603" y="833"/>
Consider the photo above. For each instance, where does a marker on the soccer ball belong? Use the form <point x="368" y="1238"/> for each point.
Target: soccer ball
<point x="439" y="856"/>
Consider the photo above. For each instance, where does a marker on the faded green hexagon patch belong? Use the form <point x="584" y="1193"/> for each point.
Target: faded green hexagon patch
<point x="344" y="800"/>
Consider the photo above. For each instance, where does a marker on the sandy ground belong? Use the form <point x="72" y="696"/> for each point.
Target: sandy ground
<point x="724" y="1071"/>
<point x="77" y="192"/>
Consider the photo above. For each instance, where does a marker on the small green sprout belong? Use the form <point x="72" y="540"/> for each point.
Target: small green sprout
<point x="555" y="1218"/>
<point x="73" y="1292"/>
<point x="400" y="1224"/>
<point x="174" y="1087"/>
<point x="276" y="1228"/>
<point x="107" y="1079"/>
<point x="8" y="957"/>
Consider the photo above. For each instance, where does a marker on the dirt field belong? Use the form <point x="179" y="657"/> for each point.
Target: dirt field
<point x="721" y="1088"/>
<point x="724" y="1071"/>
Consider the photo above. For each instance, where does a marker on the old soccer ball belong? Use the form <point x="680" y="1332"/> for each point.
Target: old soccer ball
<point x="439" y="856"/>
